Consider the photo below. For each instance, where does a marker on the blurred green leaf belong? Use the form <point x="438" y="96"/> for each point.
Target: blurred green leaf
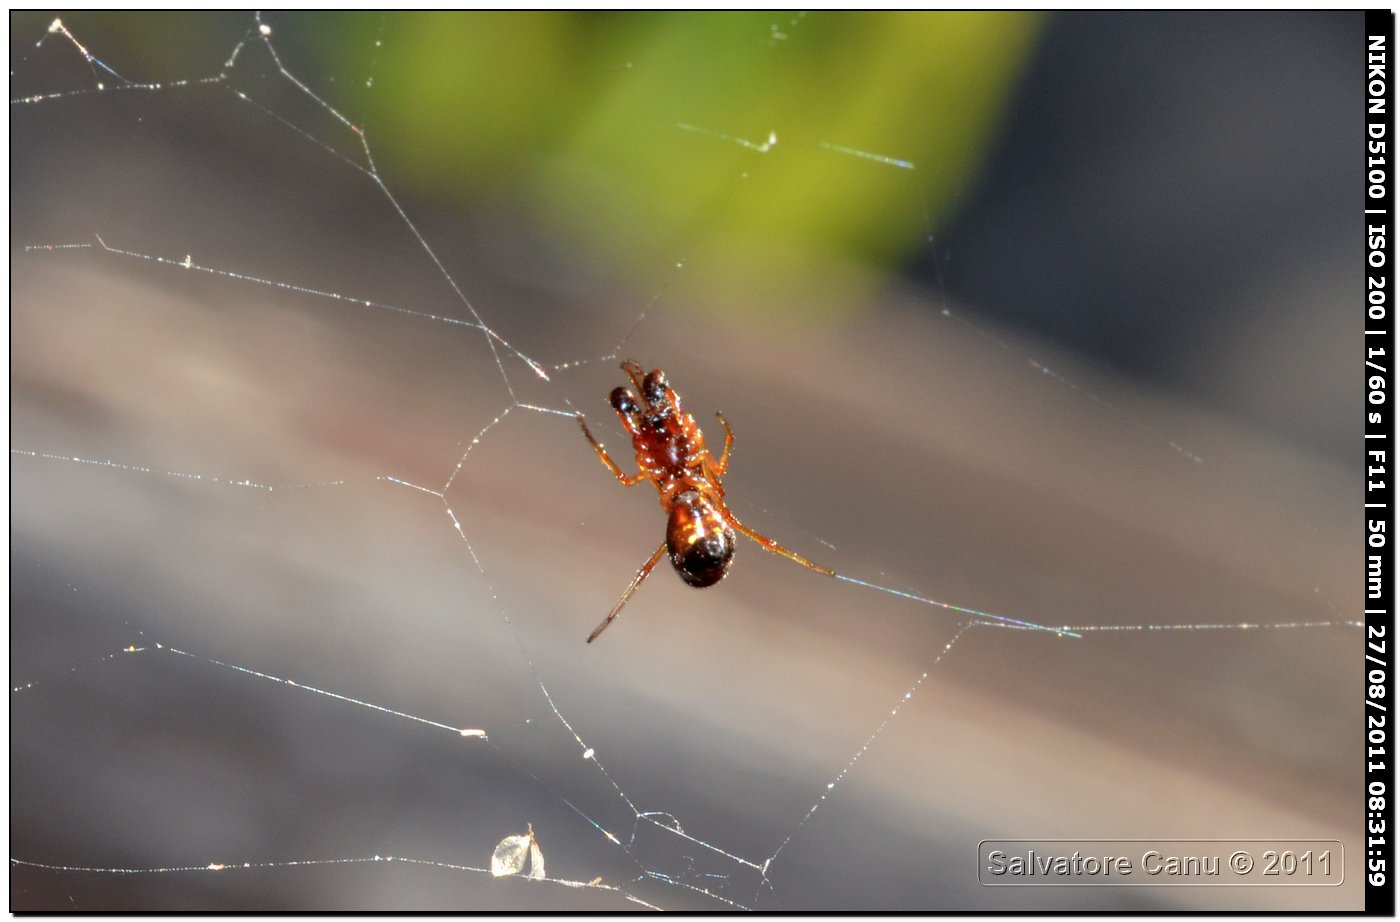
<point x="735" y="135"/>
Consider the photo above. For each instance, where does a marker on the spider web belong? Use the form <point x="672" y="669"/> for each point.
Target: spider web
<point x="306" y="540"/>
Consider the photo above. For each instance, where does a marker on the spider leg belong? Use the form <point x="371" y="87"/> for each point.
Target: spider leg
<point x="768" y="544"/>
<point x="624" y="479"/>
<point x="631" y="588"/>
<point x="634" y="371"/>
<point x="722" y="464"/>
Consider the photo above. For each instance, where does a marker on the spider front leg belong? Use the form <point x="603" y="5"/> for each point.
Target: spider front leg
<point x="634" y="372"/>
<point x="631" y="588"/>
<point x="624" y="479"/>
<point x="768" y="544"/>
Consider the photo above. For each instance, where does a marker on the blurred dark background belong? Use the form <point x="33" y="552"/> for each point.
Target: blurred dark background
<point x="1156" y="208"/>
<point x="1151" y="205"/>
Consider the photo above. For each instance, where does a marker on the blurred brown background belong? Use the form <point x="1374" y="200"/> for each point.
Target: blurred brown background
<point x="1155" y="206"/>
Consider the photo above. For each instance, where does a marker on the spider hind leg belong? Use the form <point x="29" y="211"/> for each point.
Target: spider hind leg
<point x="768" y="544"/>
<point x="631" y="588"/>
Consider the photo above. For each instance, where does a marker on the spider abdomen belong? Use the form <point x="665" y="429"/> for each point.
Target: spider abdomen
<point x="698" y="540"/>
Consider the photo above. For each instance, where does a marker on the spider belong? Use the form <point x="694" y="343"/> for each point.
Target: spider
<point x="671" y="453"/>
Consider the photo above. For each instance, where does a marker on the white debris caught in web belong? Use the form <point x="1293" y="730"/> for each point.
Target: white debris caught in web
<point x="514" y="853"/>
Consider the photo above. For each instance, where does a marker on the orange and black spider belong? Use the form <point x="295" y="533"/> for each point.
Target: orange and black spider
<point x="671" y="453"/>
